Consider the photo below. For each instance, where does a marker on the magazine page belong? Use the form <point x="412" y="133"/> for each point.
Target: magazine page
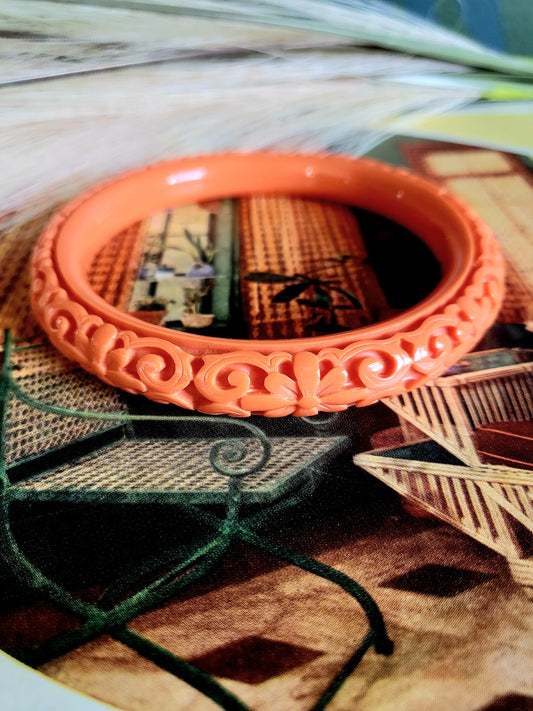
<point x="421" y="498"/>
<point x="238" y="468"/>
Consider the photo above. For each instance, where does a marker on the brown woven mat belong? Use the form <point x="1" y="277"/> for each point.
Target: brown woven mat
<point x="290" y="235"/>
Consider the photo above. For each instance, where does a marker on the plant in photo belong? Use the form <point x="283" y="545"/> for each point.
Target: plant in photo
<point x="313" y="292"/>
<point x="153" y="303"/>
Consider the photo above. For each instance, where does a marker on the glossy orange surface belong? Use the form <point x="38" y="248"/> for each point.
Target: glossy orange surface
<point x="275" y="378"/>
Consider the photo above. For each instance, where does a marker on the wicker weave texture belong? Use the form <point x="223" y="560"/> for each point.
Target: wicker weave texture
<point x="16" y="245"/>
<point x="177" y="465"/>
<point x="111" y="274"/>
<point x="486" y="502"/>
<point x="290" y="235"/>
<point x="42" y="358"/>
<point x="452" y="407"/>
<point x="472" y="499"/>
<point x="113" y="271"/>
<point x="48" y="378"/>
<point x="500" y="188"/>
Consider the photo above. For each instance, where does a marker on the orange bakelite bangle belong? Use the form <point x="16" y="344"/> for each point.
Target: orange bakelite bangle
<point x="279" y="377"/>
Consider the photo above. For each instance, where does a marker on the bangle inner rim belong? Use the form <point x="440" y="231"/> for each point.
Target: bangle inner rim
<point x="416" y="204"/>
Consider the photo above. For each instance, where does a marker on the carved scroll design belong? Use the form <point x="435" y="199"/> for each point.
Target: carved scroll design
<point x="276" y="384"/>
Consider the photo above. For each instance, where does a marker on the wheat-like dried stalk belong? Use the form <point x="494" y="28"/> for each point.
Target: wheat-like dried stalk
<point x="202" y="76"/>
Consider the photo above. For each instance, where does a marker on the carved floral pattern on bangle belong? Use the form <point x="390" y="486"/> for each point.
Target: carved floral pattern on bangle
<point x="277" y="378"/>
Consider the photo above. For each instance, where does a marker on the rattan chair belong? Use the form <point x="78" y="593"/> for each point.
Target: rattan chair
<point x="448" y="475"/>
<point x="494" y="386"/>
<point x="490" y="503"/>
<point x="69" y="437"/>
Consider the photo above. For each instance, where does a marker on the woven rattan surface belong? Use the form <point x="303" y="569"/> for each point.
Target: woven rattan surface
<point x="183" y="466"/>
<point x="290" y="235"/>
<point x="500" y="188"/>
<point x="39" y="359"/>
<point x="498" y="388"/>
<point x="16" y="244"/>
<point x="46" y="376"/>
<point x="487" y="502"/>
<point x="113" y="271"/>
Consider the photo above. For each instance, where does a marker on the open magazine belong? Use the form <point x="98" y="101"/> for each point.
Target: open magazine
<point x="457" y="451"/>
<point x="115" y="503"/>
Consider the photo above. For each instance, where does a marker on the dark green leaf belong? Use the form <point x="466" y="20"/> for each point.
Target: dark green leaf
<point x="314" y="304"/>
<point x="322" y="297"/>
<point x="268" y="277"/>
<point x="189" y="236"/>
<point x="197" y="244"/>
<point x="289" y="293"/>
<point x="351" y="298"/>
